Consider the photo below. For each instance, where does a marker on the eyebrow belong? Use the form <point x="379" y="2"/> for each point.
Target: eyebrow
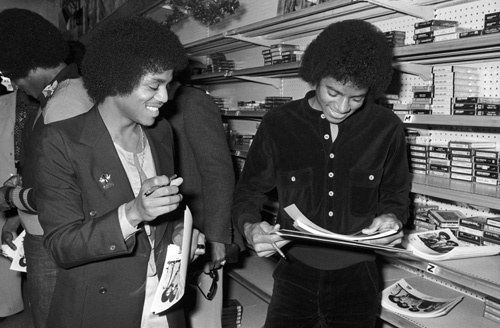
<point x="340" y="93"/>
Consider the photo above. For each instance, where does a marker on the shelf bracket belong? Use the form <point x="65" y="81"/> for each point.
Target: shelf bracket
<point x="255" y="40"/>
<point x="407" y="7"/>
<point x="275" y="82"/>
<point x="423" y="71"/>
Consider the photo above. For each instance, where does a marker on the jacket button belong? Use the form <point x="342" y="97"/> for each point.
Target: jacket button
<point x="112" y="247"/>
<point x="371" y="177"/>
<point x="103" y="290"/>
<point x="93" y="213"/>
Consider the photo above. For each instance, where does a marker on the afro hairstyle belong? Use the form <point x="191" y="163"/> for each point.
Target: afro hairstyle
<point x="350" y="51"/>
<point x="126" y="49"/>
<point x="29" y="42"/>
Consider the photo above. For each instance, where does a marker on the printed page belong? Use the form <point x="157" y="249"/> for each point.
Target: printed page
<point x="302" y="223"/>
<point x="438" y="245"/>
<point x="173" y="280"/>
<point x="402" y="298"/>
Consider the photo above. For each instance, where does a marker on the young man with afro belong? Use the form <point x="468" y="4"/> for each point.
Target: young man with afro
<point x="341" y="159"/>
<point x="105" y="189"/>
<point x="33" y="58"/>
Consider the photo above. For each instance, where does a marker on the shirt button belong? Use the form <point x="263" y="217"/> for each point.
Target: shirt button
<point x="330" y="174"/>
<point x="112" y="247"/>
<point x="103" y="290"/>
<point x="332" y="155"/>
<point x="293" y="179"/>
<point x="371" y="177"/>
<point x="327" y="136"/>
<point x="93" y="213"/>
<point x="330" y="214"/>
<point x="330" y="193"/>
<point x="323" y="116"/>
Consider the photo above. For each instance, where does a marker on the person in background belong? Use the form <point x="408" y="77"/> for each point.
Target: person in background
<point x="34" y="61"/>
<point x="105" y="223"/>
<point x="341" y="159"/>
<point x="11" y="301"/>
<point x="204" y="160"/>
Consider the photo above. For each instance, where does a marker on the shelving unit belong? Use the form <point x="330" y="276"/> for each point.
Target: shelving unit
<point x="448" y="277"/>
<point x="243" y="38"/>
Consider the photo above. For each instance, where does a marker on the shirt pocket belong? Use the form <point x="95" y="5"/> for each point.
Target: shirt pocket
<point x="364" y="191"/>
<point x="295" y="187"/>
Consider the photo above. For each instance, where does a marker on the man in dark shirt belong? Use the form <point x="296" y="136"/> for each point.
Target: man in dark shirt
<point x="341" y="159"/>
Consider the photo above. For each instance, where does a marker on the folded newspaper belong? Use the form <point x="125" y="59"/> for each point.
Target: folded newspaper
<point x="438" y="245"/>
<point x="404" y="299"/>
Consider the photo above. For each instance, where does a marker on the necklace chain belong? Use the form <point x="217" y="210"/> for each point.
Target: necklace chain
<point x="142" y="139"/>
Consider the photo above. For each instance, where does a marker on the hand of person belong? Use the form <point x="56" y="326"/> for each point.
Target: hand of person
<point x="13" y="181"/>
<point x="8" y="238"/>
<point x="197" y="241"/>
<point x="218" y="251"/>
<point x="4" y="206"/>
<point x="158" y="195"/>
<point x="259" y="236"/>
<point x="382" y="223"/>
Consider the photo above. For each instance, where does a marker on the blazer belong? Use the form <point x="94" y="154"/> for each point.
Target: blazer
<point x="79" y="185"/>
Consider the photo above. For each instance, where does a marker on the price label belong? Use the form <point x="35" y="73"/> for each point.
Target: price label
<point x="408" y="118"/>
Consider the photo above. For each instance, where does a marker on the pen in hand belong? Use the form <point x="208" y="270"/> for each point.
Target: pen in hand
<point x="153" y="189"/>
<point x="280" y="252"/>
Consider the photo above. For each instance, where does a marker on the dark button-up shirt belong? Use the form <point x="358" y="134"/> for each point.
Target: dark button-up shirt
<point x="340" y="186"/>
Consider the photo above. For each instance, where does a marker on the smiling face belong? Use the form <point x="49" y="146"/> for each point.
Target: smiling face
<point x="143" y="103"/>
<point x="337" y="100"/>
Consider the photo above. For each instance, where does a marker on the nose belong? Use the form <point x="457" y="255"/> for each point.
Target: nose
<point x="162" y="94"/>
<point x="343" y="105"/>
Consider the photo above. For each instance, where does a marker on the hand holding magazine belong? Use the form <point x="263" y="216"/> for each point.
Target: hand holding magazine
<point x="438" y="245"/>
<point x="302" y="223"/>
<point x="307" y="230"/>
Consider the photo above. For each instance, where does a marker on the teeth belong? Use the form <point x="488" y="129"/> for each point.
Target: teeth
<point x="154" y="109"/>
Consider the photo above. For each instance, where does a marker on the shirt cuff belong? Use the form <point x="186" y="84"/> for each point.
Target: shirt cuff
<point x="127" y="229"/>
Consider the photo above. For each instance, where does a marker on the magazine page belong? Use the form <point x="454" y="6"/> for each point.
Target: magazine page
<point x="173" y="280"/>
<point x="302" y="223"/>
<point x="402" y="298"/>
<point x="340" y="242"/>
<point x="436" y="245"/>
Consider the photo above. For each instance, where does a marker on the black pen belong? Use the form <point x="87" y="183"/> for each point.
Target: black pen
<point x="153" y="189"/>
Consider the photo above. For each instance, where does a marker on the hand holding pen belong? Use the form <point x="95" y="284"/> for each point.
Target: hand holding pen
<point x="158" y="195"/>
<point x="261" y="238"/>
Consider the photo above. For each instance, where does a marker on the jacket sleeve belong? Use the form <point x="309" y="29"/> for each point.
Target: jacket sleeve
<point x="71" y="236"/>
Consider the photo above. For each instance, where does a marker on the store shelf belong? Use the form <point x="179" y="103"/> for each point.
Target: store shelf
<point x="243" y="113"/>
<point x="476" y="276"/>
<point x="301" y="23"/>
<point x="456" y="190"/>
<point x="452" y="120"/>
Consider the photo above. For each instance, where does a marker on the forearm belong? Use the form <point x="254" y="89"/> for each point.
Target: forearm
<point x="23" y="199"/>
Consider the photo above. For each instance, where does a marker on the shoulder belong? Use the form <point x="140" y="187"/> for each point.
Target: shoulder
<point x="70" y="99"/>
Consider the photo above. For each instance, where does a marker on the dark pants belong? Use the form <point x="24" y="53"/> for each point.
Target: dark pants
<point x="307" y="297"/>
<point x="41" y="279"/>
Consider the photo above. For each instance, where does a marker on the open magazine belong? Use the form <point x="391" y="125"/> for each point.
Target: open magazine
<point x="307" y="230"/>
<point x="437" y="245"/>
<point x="302" y="223"/>
<point x="404" y="299"/>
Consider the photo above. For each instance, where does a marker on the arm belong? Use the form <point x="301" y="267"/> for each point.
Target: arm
<point x="394" y="192"/>
<point x="204" y="131"/>
<point x="9" y="231"/>
<point x="73" y="236"/>
<point x="256" y="180"/>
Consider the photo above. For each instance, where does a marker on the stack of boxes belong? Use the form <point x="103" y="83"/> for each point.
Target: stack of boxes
<point x="452" y="82"/>
<point x="395" y="38"/>
<point x="282" y="53"/>
<point x="486" y="166"/>
<point x="424" y="32"/>
<point x="219" y="63"/>
<point x="479" y="230"/>
<point x="491" y="23"/>
<point x="492" y="309"/>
